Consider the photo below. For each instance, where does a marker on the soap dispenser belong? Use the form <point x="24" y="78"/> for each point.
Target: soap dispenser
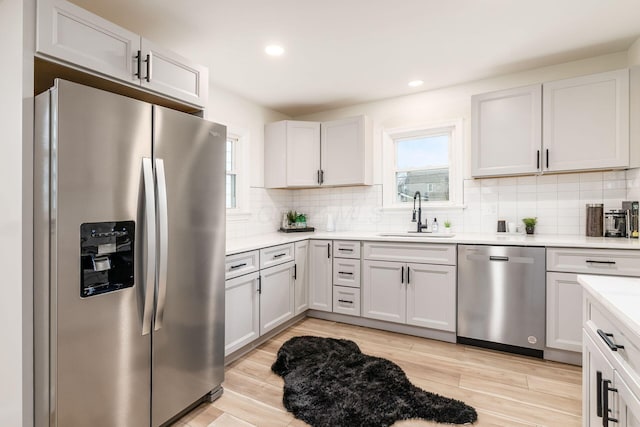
<point x="434" y="225"/>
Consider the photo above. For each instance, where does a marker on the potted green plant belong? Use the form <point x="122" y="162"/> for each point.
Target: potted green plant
<point x="292" y="216"/>
<point x="530" y="224"/>
<point x="447" y="226"/>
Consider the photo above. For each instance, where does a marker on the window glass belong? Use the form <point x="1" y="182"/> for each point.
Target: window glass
<point x="422" y="164"/>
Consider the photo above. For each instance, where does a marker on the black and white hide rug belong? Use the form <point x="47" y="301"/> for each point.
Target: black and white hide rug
<point x="330" y="382"/>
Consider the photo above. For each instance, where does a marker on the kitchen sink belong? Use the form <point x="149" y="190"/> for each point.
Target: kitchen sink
<point x="425" y="234"/>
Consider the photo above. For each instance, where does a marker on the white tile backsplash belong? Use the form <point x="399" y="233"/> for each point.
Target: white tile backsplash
<point x="557" y="200"/>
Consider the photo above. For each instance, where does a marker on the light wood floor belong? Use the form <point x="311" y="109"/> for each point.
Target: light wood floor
<point x="506" y="390"/>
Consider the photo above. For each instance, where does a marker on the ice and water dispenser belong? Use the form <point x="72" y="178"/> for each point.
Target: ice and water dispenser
<point x="107" y="257"/>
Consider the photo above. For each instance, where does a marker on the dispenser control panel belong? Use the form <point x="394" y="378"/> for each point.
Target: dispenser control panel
<point x="106" y="257"/>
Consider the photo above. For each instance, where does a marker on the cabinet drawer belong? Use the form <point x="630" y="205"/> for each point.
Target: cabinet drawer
<point x="346" y="300"/>
<point x="346" y="249"/>
<point x="346" y="272"/>
<point x="239" y="264"/>
<point x="594" y="261"/>
<point x="411" y="252"/>
<point x="628" y="357"/>
<point x="276" y="255"/>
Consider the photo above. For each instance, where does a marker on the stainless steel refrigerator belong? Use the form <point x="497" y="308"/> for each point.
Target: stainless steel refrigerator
<point x="129" y="243"/>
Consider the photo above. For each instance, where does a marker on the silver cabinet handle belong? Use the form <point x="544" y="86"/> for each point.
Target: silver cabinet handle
<point x="150" y="231"/>
<point x="163" y="235"/>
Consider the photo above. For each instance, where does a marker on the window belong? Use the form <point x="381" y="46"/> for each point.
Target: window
<point x="232" y="176"/>
<point x="423" y="159"/>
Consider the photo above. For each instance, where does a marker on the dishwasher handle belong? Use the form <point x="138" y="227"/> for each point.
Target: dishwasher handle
<point x="498" y="258"/>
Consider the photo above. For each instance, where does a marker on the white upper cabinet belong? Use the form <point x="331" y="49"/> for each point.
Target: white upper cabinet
<point x="292" y="154"/>
<point x="310" y="154"/>
<point x="506" y="128"/>
<point x="76" y="37"/>
<point x="346" y="152"/>
<point x="586" y="122"/>
<point x="168" y="73"/>
<point x="70" y="33"/>
<point x="566" y="125"/>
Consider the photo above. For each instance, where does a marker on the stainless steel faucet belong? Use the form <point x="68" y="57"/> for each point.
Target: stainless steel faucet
<point x="419" y="227"/>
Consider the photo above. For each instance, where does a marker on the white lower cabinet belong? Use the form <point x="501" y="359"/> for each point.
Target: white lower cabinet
<point x="628" y="404"/>
<point x="242" y="315"/>
<point x="276" y="296"/>
<point x="346" y="300"/>
<point x="301" y="277"/>
<point x="320" y="285"/>
<point x="431" y="296"/>
<point x="414" y="294"/>
<point x="596" y="373"/>
<point x="564" y="312"/>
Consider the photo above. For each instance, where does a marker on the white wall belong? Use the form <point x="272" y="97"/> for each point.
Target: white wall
<point x="11" y="362"/>
<point x="262" y="209"/>
<point x="557" y="200"/>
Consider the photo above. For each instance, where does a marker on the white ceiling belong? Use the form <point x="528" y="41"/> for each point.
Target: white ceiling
<point x="342" y="52"/>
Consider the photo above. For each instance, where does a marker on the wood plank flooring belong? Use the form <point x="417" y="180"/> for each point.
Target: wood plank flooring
<point x="505" y="389"/>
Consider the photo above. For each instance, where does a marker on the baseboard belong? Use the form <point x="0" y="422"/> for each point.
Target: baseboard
<point x="563" y="356"/>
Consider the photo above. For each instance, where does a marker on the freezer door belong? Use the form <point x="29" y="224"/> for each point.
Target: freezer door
<point x="98" y="374"/>
<point x="188" y="336"/>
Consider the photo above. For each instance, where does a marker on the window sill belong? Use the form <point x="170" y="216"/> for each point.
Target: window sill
<point x="238" y="216"/>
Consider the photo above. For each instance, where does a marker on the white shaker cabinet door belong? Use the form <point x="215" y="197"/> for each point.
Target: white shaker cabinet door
<point x="301" y="277"/>
<point x="383" y="291"/>
<point x="506" y="131"/>
<point x="346" y="152"/>
<point x="586" y="122"/>
<point x="564" y="312"/>
<point x="276" y="296"/>
<point x="320" y="268"/>
<point x="242" y="312"/>
<point x="431" y="296"/>
<point x="71" y="34"/>
<point x="170" y="74"/>
<point x="595" y="371"/>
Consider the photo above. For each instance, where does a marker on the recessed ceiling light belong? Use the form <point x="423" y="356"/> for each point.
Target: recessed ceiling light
<point x="416" y="83"/>
<point x="274" y="50"/>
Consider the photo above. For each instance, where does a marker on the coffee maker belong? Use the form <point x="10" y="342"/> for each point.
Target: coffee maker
<point x="634" y="210"/>
<point x="616" y="223"/>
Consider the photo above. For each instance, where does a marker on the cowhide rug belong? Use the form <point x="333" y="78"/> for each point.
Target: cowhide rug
<point x="330" y="382"/>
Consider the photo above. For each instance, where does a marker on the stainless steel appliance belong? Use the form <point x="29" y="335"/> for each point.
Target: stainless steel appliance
<point x="129" y="259"/>
<point x="616" y="222"/>
<point x="501" y="298"/>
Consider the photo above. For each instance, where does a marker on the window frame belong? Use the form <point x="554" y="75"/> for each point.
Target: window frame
<point x="389" y="162"/>
<point x="241" y="211"/>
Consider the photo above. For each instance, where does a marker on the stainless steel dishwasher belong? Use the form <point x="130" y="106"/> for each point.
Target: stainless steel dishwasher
<point x="501" y="298"/>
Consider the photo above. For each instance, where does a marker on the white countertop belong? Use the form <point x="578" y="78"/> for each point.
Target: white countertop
<point x="619" y="295"/>
<point x="571" y="241"/>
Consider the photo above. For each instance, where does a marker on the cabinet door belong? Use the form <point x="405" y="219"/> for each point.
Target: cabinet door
<point x="301" y="271"/>
<point x="564" y="312"/>
<point x="431" y="296"/>
<point x="170" y="74"/>
<point x="303" y="153"/>
<point x="320" y="286"/>
<point x="586" y="122"/>
<point x="71" y="34"/>
<point x="383" y="291"/>
<point x="276" y="296"/>
<point x="628" y="403"/>
<point x="346" y="151"/>
<point x="506" y="131"/>
<point x="596" y="371"/>
<point x="242" y="312"/>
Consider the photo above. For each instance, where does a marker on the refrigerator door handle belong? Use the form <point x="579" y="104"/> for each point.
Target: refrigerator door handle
<point x="163" y="236"/>
<point x="150" y="225"/>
